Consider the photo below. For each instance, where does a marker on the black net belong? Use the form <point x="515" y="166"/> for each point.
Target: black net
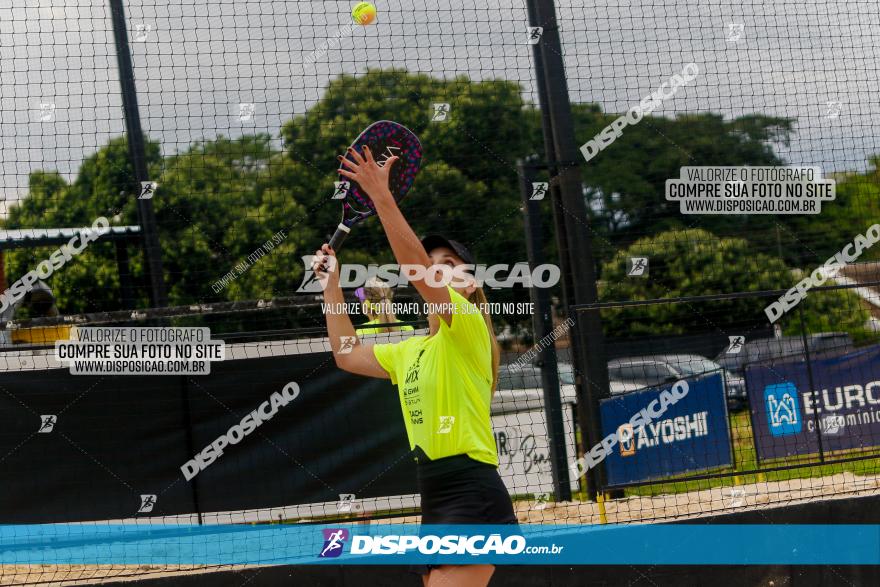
<point x="244" y="107"/>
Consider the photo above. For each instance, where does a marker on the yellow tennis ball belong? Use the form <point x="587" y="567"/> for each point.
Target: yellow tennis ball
<point x="363" y="13"/>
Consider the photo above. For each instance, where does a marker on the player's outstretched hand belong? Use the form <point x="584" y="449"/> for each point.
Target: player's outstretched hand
<point x="371" y="176"/>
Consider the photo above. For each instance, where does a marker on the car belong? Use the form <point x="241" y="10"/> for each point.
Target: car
<point x="566" y="377"/>
<point x="529" y="377"/>
<point x="785" y="349"/>
<point x="520" y="389"/>
<point x="655" y="370"/>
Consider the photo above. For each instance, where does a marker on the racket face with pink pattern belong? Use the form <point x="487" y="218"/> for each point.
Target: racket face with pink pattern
<point x="385" y="139"/>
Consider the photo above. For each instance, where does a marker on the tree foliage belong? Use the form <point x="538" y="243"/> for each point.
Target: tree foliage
<point x="220" y="199"/>
<point x="695" y="262"/>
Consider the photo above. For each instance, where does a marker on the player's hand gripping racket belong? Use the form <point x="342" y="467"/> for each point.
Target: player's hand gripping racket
<point x="385" y="139"/>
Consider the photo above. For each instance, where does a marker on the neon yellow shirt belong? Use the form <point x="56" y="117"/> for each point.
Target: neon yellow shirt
<point x="379" y="330"/>
<point x="444" y="383"/>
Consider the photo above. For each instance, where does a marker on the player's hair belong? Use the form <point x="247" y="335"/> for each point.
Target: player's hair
<point x="478" y="297"/>
<point x="378" y="296"/>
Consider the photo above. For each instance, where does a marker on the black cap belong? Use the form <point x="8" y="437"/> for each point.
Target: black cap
<point x="434" y="241"/>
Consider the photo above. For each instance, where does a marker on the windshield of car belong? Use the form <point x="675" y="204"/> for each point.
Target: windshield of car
<point x="841" y="343"/>
<point x="768" y="349"/>
<point x="640" y="371"/>
<point x="566" y="375"/>
<point x="730" y="362"/>
<point x="696" y="366"/>
<point x="523" y="378"/>
<point x="529" y="377"/>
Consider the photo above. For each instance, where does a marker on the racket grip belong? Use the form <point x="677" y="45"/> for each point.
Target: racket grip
<point x="339" y="237"/>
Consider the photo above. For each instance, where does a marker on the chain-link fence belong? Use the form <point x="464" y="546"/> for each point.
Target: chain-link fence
<point x="712" y="349"/>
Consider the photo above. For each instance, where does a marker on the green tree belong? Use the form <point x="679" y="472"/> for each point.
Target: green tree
<point x="625" y="184"/>
<point x="217" y="202"/>
<point x="695" y="262"/>
<point x="103" y="187"/>
<point x="468" y="185"/>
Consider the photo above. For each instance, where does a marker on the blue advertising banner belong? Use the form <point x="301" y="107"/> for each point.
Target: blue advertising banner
<point x="691" y="434"/>
<point x="401" y="544"/>
<point x="788" y="416"/>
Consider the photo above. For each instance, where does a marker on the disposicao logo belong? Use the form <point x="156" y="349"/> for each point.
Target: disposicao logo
<point x="334" y="540"/>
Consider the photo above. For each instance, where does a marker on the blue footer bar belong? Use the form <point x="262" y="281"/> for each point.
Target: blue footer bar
<point x="394" y="544"/>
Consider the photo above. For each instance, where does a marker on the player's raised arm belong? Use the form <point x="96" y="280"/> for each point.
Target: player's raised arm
<point x="407" y="247"/>
<point x="348" y="352"/>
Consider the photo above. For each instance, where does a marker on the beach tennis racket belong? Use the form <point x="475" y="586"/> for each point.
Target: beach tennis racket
<point x="385" y="139"/>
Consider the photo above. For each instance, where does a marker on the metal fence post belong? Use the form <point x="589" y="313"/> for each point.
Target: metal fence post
<point x="135" y="140"/>
<point x="588" y="354"/>
<point x="813" y="390"/>
<point x="542" y="325"/>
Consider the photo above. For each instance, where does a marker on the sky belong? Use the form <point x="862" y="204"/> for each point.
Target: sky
<point x="197" y="61"/>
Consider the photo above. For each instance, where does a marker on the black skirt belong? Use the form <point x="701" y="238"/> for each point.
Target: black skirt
<point x="460" y="490"/>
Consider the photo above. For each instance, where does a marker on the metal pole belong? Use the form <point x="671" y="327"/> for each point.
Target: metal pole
<point x="587" y="335"/>
<point x="135" y="136"/>
<point x="551" y="159"/>
<point x="186" y="410"/>
<point x="810" y="378"/>
<point x="542" y="325"/>
<point x="558" y="210"/>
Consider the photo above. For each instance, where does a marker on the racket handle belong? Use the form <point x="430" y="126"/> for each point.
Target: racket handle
<point x="339" y="237"/>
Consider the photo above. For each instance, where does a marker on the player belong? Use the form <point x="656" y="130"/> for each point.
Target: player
<point x="376" y="298"/>
<point x="445" y="379"/>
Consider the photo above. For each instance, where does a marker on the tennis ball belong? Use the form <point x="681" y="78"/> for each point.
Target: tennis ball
<point x="363" y="13"/>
